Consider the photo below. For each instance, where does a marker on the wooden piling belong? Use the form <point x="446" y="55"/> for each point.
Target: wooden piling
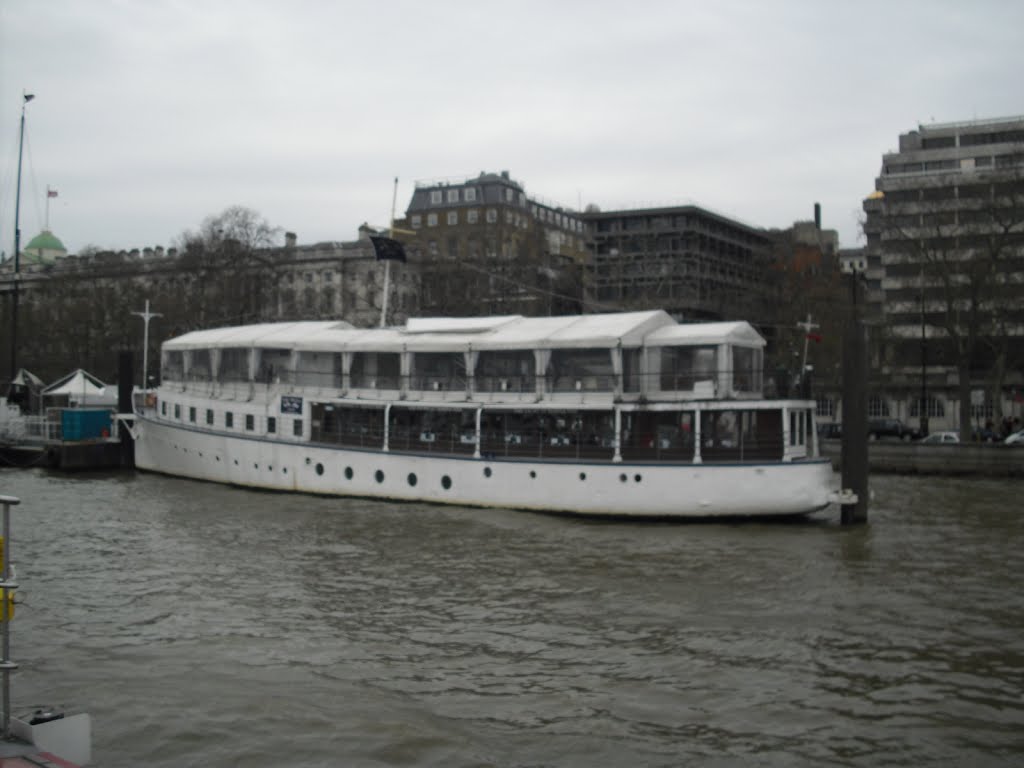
<point x="854" y="460"/>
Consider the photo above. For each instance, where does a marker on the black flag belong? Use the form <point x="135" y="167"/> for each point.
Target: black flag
<point x="386" y="248"/>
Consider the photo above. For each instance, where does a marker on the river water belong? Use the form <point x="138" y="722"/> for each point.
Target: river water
<point x="202" y="625"/>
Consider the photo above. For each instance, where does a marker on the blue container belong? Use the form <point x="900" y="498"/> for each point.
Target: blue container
<point x="85" y="423"/>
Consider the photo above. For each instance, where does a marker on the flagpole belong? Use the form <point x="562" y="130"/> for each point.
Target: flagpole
<point x="46" y="226"/>
<point x="387" y="262"/>
<point x="146" y="317"/>
<point x="25" y="99"/>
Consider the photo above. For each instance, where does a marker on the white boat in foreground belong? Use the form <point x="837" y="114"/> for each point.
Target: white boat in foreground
<point x="628" y="414"/>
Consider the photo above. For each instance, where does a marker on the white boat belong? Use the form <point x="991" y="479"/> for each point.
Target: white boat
<point x="627" y="414"/>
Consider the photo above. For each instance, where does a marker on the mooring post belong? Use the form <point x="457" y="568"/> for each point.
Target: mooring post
<point x="854" y="461"/>
<point x="125" y="381"/>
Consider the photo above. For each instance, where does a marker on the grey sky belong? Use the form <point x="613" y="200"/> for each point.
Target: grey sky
<point x="149" y="116"/>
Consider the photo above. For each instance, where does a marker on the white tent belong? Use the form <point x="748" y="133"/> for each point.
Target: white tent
<point x="82" y="388"/>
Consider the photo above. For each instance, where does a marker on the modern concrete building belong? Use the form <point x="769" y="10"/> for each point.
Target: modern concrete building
<point x="945" y="271"/>
<point x="691" y="262"/>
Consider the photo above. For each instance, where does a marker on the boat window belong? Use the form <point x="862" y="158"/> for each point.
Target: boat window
<point x="438" y="371"/>
<point x="250" y="422"/>
<point x="199" y="368"/>
<point x="631" y="370"/>
<point x="177" y="411"/>
<point x="163" y="408"/>
<point x="657" y="436"/>
<point x="192" y="414"/>
<point x="589" y="370"/>
<point x="375" y="370"/>
<point x="271" y="425"/>
<point x="297" y="427"/>
<point x="741" y="435"/>
<point x="319" y="369"/>
<point x="229" y="419"/>
<point x="432" y="430"/>
<point x="685" y="369"/>
<point x="505" y="371"/>
<point x="234" y="365"/>
<point x="274" y="366"/>
<point x="209" y="415"/>
<point x="553" y="434"/>
<point x="172" y="365"/>
<point x="357" y="427"/>
<point x="746" y="369"/>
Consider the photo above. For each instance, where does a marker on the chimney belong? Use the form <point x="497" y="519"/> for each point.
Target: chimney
<point x="817" y="216"/>
<point x="289" y="239"/>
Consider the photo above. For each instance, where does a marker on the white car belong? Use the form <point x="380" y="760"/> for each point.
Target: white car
<point x="941" y="438"/>
<point x="1017" y="438"/>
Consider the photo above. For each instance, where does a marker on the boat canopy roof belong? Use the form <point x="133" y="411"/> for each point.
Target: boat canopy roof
<point x="626" y="329"/>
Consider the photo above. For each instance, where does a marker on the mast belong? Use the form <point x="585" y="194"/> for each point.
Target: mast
<point x="25" y="99"/>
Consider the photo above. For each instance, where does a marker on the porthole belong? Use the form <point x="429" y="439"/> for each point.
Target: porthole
<point x="583" y="475"/>
<point x="236" y="462"/>
<point x="638" y="478"/>
<point x="379" y="476"/>
<point x="487" y="471"/>
<point x="532" y="473"/>
<point x="270" y="467"/>
<point x="348" y="473"/>
<point x="255" y="466"/>
<point x="308" y="461"/>
<point x="446" y="482"/>
<point x="623" y="478"/>
<point x="319" y="469"/>
<point x="412" y="478"/>
<point x="284" y="470"/>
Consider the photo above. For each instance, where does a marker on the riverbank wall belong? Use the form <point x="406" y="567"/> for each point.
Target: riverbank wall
<point x="971" y="459"/>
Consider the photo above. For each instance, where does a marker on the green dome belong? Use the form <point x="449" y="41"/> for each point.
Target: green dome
<point x="44" y="248"/>
<point x="45" y="241"/>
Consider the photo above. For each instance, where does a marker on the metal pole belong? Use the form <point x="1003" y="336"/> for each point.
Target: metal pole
<point x="6" y="665"/>
<point x="146" y="316"/>
<point x="387" y="262"/>
<point x="25" y="99"/>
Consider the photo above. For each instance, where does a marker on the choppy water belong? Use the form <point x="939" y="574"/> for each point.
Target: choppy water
<point x="209" y="626"/>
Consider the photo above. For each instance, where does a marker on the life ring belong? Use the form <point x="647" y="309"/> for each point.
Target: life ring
<point x="104" y="432"/>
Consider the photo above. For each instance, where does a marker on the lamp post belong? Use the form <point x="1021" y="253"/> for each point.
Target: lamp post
<point x="25" y="99"/>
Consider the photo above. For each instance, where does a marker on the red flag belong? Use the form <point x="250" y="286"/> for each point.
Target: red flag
<point x="814" y="336"/>
<point x="51" y="193"/>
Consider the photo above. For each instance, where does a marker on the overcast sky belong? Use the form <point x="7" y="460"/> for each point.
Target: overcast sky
<point x="150" y="116"/>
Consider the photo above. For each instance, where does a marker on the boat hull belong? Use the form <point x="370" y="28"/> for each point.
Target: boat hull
<point x="577" y="487"/>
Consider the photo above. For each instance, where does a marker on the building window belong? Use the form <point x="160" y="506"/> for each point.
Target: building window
<point x="453" y="218"/>
<point x="472" y="216"/>
<point x="297" y="427"/>
<point x="328" y="276"/>
<point x="508" y="217"/>
<point x="492" y="215"/>
<point x="877" y="407"/>
<point x="522" y="199"/>
<point x="453" y="195"/>
<point x="271" y="424"/>
<point x="826" y="407"/>
<point x="250" y="422"/>
<point x="229" y="419"/>
<point x="936" y="408"/>
<point x="435" y="197"/>
<point x="431" y="219"/>
<point x="509" y="194"/>
<point x="470" y="194"/>
<point x="209" y="415"/>
<point x="417" y="221"/>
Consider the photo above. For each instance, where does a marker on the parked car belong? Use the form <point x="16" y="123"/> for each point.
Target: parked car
<point x="878" y="428"/>
<point x="830" y="431"/>
<point x="1017" y="438"/>
<point x="940" y="438"/>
